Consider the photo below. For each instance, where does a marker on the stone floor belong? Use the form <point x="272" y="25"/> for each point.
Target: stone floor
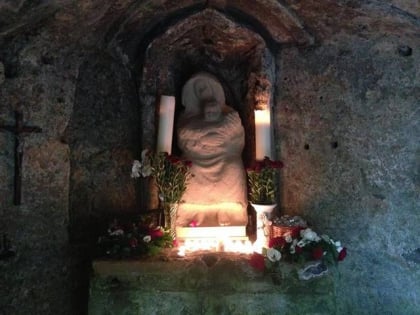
<point x="205" y="283"/>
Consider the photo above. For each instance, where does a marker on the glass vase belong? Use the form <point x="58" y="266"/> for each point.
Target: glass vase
<point x="170" y="212"/>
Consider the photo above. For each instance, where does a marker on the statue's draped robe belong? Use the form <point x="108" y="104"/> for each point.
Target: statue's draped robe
<point x="216" y="192"/>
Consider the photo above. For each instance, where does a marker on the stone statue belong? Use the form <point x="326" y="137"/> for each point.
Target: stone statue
<point x="210" y="134"/>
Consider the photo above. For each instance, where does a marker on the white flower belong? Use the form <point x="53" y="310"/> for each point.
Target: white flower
<point x="309" y="235"/>
<point x="144" y="154"/>
<point x="326" y="238"/>
<point x="293" y="247"/>
<point x="146" y="170"/>
<point x="136" y="169"/>
<point x="147" y="239"/>
<point x="116" y="232"/>
<point x="288" y="238"/>
<point x="273" y="254"/>
<point x="301" y="243"/>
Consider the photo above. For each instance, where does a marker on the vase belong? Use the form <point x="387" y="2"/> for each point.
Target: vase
<point x="170" y="212"/>
<point x="263" y="225"/>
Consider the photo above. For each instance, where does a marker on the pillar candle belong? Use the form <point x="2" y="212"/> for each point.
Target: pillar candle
<point x="166" y="124"/>
<point x="262" y="134"/>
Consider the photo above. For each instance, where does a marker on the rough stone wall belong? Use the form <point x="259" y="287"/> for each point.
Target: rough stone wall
<point x="348" y="124"/>
<point x="104" y="134"/>
<point x="39" y="81"/>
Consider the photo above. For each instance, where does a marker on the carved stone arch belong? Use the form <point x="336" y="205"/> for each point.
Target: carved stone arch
<point x="209" y="41"/>
<point x="165" y="42"/>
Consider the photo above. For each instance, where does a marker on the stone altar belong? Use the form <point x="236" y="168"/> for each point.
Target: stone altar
<point x="205" y="283"/>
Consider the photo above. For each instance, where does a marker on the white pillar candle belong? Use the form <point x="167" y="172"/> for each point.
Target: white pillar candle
<point x="166" y="123"/>
<point x="262" y="134"/>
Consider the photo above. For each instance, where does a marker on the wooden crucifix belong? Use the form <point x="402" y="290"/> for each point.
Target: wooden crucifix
<point x="18" y="130"/>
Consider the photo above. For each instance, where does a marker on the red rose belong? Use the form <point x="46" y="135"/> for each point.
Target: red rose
<point x="173" y="159"/>
<point x="255" y="166"/>
<point x="298" y="249"/>
<point x="175" y="243"/>
<point x="342" y="254"/>
<point x="188" y="163"/>
<point x="277" y="242"/>
<point x="295" y="233"/>
<point x="156" y="233"/>
<point x="257" y="261"/>
<point x="277" y="164"/>
<point x="317" y="253"/>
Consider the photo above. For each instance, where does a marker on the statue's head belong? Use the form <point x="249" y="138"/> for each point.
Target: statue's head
<point x="212" y="110"/>
<point x="198" y="89"/>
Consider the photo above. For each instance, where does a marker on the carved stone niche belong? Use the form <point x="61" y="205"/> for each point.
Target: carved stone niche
<point x="227" y="42"/>
<point x="208" y="42"/>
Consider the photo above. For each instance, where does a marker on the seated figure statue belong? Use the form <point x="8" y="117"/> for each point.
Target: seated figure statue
<point x="211" y="135"/>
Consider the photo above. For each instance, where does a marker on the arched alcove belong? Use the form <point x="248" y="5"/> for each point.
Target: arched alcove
<point x="148" y="53"/>
<point x="208" y="41"/>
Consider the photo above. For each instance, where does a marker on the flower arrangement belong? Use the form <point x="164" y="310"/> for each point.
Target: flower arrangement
<point x="133" y="240"/>
<point x="301" y="245"/>
<point x="170" y="173"/>
<point x="262" y="181"/>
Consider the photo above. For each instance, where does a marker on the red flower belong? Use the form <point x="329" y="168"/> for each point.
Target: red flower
<point x="173" y="159"/>
<point x="277" y="164"/>
<point x="257" y="261"/>
<point x="256" y="166"/>
<point x="277" y="242"/>
<point x="175" y="243"/>
<point x="133" y="242"/>
<point x="295" y="233"/>
<point x="317" y="253"/>
<point x="298" y="249"/>
<point x="187" y="163"/>
<point x="342" y="254"/>
<point x="156" y="233"/>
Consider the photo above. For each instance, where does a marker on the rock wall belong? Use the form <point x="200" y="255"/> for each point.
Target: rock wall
<point x="348" y="122"/>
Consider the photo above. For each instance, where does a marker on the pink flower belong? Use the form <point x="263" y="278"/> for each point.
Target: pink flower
<point x="193" y="223"/>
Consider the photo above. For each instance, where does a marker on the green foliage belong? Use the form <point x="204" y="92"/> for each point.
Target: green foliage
<point x="262" y="181"/>
<point x="171" y="175"/>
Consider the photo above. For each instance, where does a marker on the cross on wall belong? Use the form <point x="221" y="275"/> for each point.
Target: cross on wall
<point x="19" y="130"/>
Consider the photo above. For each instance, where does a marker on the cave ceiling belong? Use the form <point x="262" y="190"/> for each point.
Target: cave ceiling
<point x="132" y="25"/>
